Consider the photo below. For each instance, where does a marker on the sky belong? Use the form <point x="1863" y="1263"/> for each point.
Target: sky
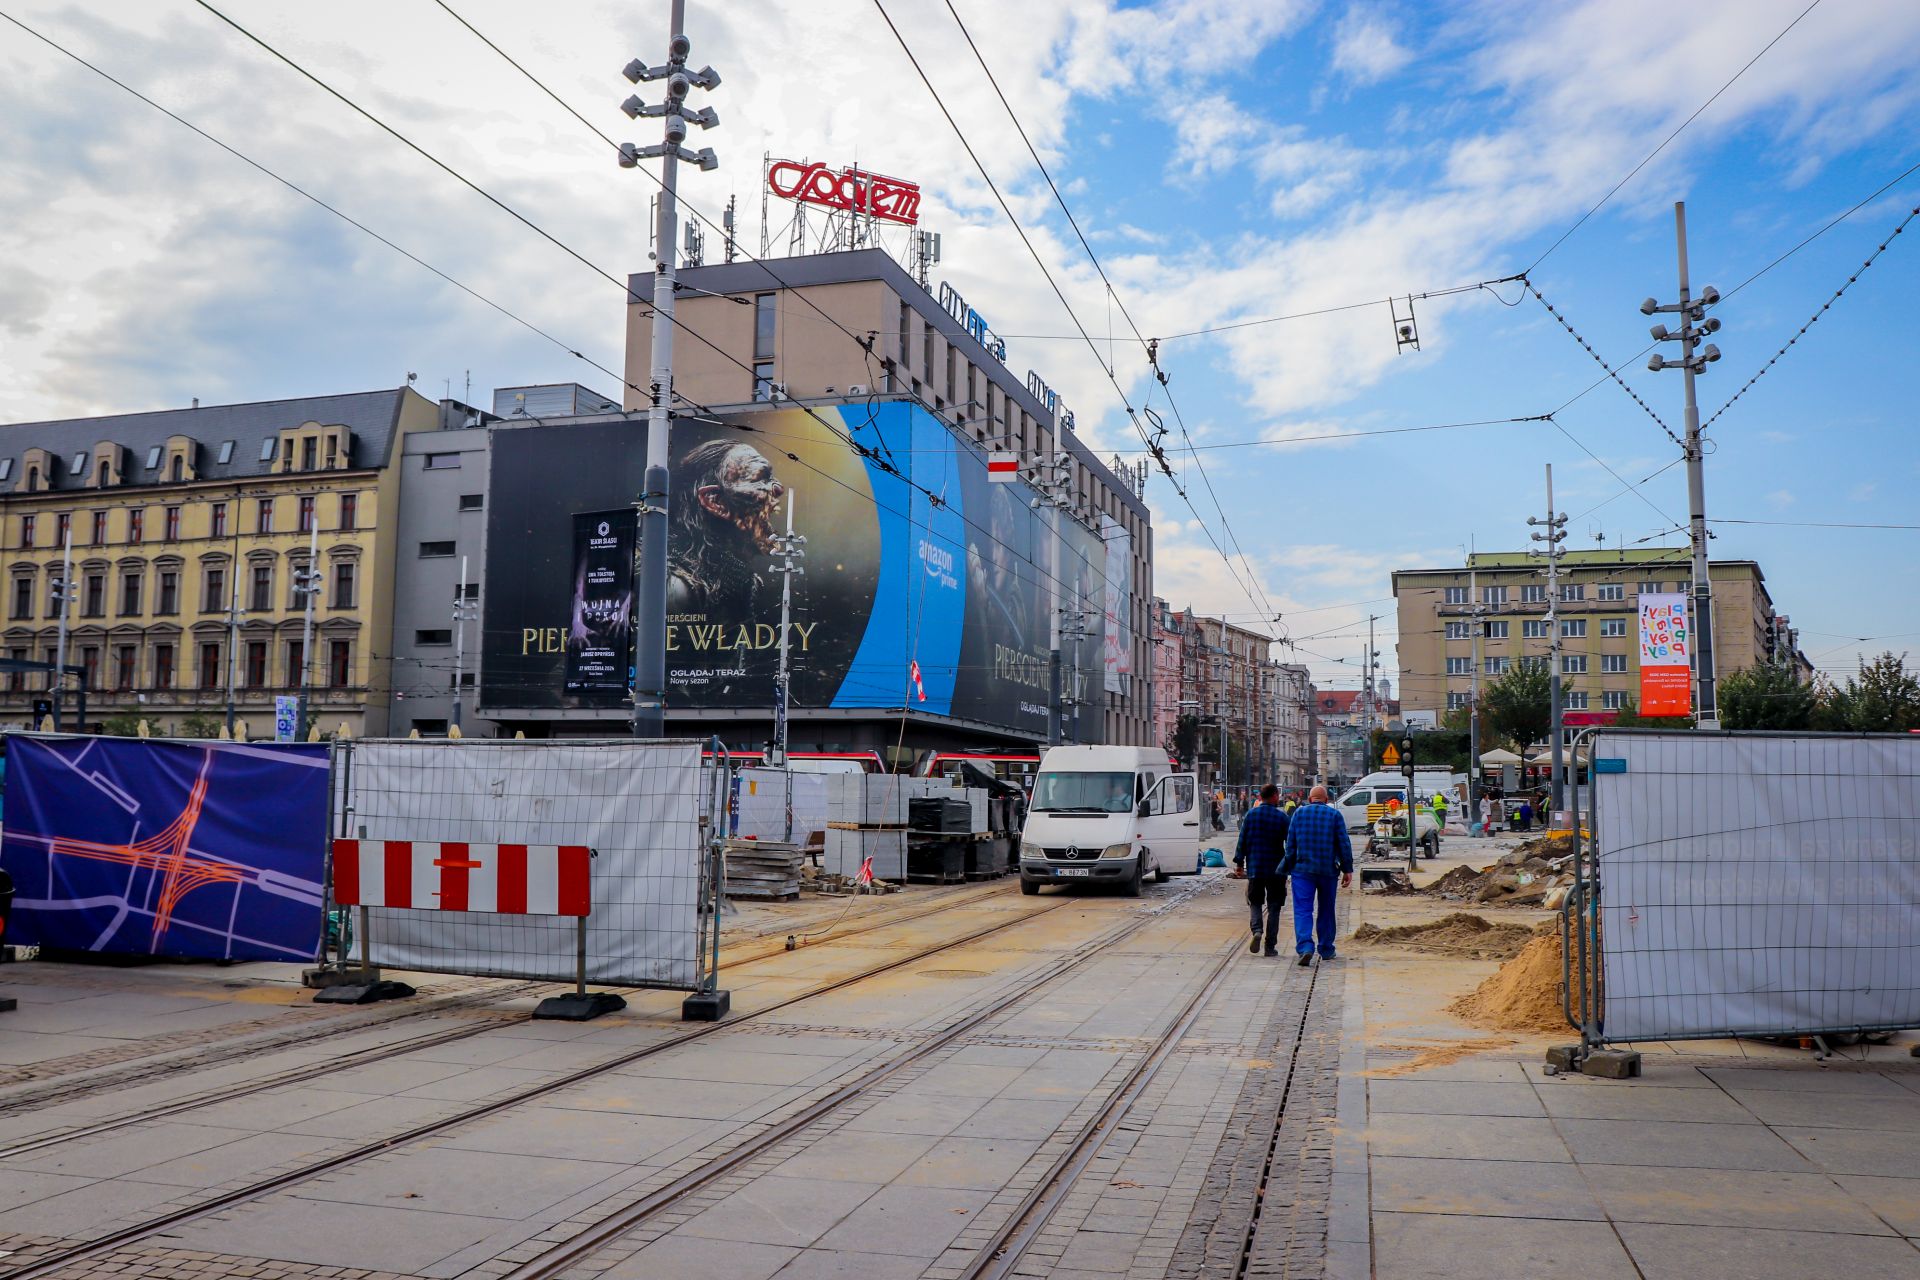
<point x="1229" y="161"/>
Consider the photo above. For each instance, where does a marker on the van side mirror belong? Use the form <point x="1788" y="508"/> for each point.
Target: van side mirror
<point x="1146" y="809"/>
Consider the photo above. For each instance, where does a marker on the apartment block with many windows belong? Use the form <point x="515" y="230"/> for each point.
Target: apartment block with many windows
<point x="1596" y="620"/>
<point x="189" y="529"/>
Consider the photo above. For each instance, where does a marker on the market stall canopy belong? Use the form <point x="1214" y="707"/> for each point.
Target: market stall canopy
<point x="1498" y="755"/>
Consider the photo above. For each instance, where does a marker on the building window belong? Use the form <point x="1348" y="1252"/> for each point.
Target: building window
<point x="333" y="452"/>
<point x="763" y="325"/>
<point x="123" y="666"/>
<point x="433" y="636"/>
<point x="1496" y="630"/>
<point x="94" y="604"/>
<point x="1533" y="595"/>
<point x="1611" y="591"/>
<point x="130" y="594"/>
<point x="295" y="675"/>
<point x="170" y="526"/>
<point x="17" y="680"/>
<point x="1456" y="595"/>
<point x="1456" y="701"/>
<point x="473" y="502"/>
<point x="179" y="468"/>
<point x="762" y="381"/>
<point x="256" y="663"/>
<point x="1459" y="631"/>
<point x="210" y="663"/>
<point x="1459" y="666"/>
<point x="343" y="585"/>
<point x="926" y="351"/>
<point x="340" y="663"/>
<point x="79" y="463"/>
<point x="213" y="594"/>
<point x="63" y="529"/>
<point x="1683" y="588"/>
<point x="137" y="525"/>
<point x="349" y="511"/>
<point x="1493" y="595"/>
<point x="1572" y="591"/>
<point x="99" y="528"/>
<point x="261" y="600"/>
<point x="1613" y="627"/>
<point x="435" y="550"/>
<point x="309" y="453"/>
<point x="90" y="663"/>
<point x="226" y="452"/>
<point x="23" y="597"/>
<point x="1573" y="629"/>
<point x="442" y="462"/>
<point x="219" y="520"/>
<point x="153" y="456"/>
<point x="1574" y="700"/>
<point x="267" y="448"/>
<point x="1649" y="588"/>
<point x="163" y="666"/>
<point x="1614" y="700"/>
<point x="1573" y="664"/>
<point x="1531" y="664"/>
<point x="263" y="516"/>
<point x="467" y="590"/>
<point x="1498" y="666"/>
<point x="169" y="602"/>
<point x="26" y="531"/>
<point x="306" y="513"/>
<point x="1613" y="664"/>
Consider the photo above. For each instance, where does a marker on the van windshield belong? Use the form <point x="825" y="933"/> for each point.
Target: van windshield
<point x="1083" y="793"/>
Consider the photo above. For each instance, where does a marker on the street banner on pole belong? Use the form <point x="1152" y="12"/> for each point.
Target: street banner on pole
<point x="1666" y="656"/>
<point x="286" y="717"/>
<point x="1003" y="467"/>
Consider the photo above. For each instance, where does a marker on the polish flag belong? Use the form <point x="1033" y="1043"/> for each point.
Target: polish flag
<point x="913" y="669"/>
<point x="1003" y="466"/>
<point x="865" y="876"/>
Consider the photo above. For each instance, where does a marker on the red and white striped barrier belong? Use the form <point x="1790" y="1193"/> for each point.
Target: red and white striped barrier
<point x="427" y="875"/>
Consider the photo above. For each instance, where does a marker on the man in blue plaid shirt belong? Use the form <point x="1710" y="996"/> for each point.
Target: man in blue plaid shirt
<point x="1317" y="851"/>
<point x="1261" y="858"/>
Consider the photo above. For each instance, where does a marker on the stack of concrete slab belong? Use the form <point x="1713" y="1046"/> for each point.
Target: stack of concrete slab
<point x="846" y="850"/>
<point x="856" y="800"/>
<point x="763" y="869"/>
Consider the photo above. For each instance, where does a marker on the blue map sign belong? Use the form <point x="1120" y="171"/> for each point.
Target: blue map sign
<point x="209" y="850"/>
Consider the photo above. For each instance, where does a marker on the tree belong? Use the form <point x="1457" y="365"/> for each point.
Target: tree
<point x="124" y="725"/>
<point x="200" y="724"/>
<point x="1883" y="698"/>
<point x="1185" y="744"/>
<point x="1630" y="718"/>
<point x="1518" y="707"/>
<point x="1768" y="696"/>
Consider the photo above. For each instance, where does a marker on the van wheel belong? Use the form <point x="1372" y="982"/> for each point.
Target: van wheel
<point x="1133" y="887"/>
<point x="1160" y="875"/>
<point x="1029" y="888"/>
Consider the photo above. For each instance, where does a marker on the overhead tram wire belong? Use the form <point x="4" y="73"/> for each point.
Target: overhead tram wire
<point x="1648" y="159"/>
<point x="1153" y="447"/>
<point x="1179" y="418"/>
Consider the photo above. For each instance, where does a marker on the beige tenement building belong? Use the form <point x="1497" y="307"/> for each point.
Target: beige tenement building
<point x="1598" y="619"/>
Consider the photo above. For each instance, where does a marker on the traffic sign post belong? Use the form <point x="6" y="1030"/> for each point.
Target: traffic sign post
<point x="1405" y="756"/>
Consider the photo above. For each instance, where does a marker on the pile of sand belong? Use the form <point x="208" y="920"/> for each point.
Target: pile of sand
<point x="1525" y="994"/>
<point x="1459" y="934"/>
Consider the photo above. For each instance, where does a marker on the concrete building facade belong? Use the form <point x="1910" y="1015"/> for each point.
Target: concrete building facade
<point x="1596" y="617"/>
<point x="781" y="331"/>
<point x="188" y="529"/>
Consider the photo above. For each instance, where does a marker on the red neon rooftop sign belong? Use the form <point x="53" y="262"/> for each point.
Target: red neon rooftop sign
<point x="889" y="199"/>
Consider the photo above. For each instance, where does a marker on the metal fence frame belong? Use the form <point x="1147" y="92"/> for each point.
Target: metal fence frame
<point x="715" y="807"/>
<point x="1582" y="943"/>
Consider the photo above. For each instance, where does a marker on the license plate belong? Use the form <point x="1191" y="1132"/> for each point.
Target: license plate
<point x="1072" y="871"/>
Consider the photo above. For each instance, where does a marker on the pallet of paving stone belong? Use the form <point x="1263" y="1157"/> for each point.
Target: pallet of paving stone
<point x="765" y="869"/>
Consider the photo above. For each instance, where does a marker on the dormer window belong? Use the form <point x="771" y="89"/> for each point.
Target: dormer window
<point x="267" y="447"/>
<point x="179" y="469"/>
<point x="6" y="469"/>
<point x="226" y="452"/>
<point x="80" y="463"/>
<point x="333" y="453"/>
<point x="153" y="456"/>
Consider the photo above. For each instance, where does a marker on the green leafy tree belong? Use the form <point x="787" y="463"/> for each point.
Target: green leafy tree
<point x="1630" y="718"/>
<point x="1518" y="707"/>
<point x="1185" y="743"/>
<point x="1768" y="696"/>
<point x="124" y="725"/>
<point x="1883" y="698"/>
<point x="200" y="724"/>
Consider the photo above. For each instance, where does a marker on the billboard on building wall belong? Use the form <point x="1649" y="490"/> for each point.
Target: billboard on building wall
<point x="600" y="615"/>
<point x="1117" y="603"/>
<point x="950" y="570"/>
<point x="1666" y="656"/>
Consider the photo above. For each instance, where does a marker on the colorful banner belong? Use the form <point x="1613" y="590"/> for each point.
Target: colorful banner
<point x="1666" y="656"/>
<point x="211" y="850"/>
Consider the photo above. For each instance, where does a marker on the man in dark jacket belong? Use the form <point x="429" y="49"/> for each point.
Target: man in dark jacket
<point x="1318" y="851"/>
<point x="1261" y="856"/>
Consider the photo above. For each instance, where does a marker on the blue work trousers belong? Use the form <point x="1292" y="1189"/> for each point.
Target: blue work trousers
<point x="1311" y="894"/>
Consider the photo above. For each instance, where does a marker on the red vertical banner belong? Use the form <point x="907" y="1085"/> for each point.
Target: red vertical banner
<point x="1666" y="656"/>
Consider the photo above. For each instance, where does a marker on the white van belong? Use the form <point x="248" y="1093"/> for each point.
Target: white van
<point x="1109" y="815"/>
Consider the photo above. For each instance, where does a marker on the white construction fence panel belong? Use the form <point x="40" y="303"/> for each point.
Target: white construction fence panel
<point x="1757" y="884"/>
<point x="760" y="804"/>
<point x="636" y="804"/>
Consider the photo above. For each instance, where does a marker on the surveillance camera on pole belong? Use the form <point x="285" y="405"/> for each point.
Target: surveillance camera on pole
<point x="1693" y="360"/>
<point x="650" y="631"/>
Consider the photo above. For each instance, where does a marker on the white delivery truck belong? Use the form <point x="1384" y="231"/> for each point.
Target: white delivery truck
<point x="1109" y="815"/>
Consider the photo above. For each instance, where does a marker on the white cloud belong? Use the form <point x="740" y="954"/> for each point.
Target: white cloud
<point x="1364" y="48"/>
<point x="1781" y="499"/>
<point x="1863" y="492"/>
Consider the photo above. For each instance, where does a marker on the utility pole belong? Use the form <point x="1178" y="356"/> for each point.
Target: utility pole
<point x="1694" y="326"/>
<point x="233" y="637"/>
<point x="306" y="582"/>
<point x="789" y="548"/>
<point x="1556" y="533"/>
<point x="1047" y="484"/>
<point x="650" y="630"/>
<point x="462" y="611"/>
<point x="64" y="598"/>
<point x="1473" y="700"/>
